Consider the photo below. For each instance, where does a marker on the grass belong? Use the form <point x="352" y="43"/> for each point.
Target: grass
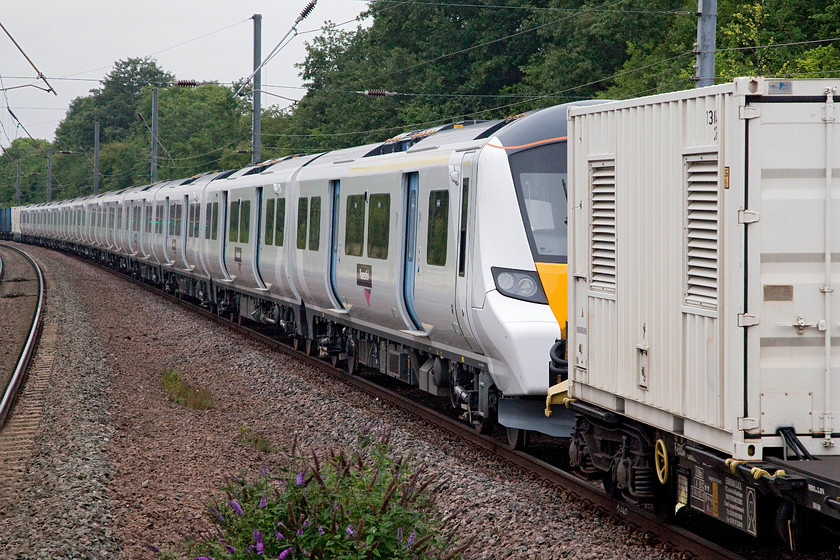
<point x="190" y="396"/>
<point x="254" y="440"/>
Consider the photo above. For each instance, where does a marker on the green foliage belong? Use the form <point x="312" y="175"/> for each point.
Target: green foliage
<point x="183" y="393"/>
<point x="446" y="61"/>
<point x="368" y="503"/>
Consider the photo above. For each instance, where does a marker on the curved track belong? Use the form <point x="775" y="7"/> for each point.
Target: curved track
<point x="564" y="484"/>
<point x="26" y="284"/>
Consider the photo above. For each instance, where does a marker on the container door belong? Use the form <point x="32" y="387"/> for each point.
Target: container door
<point x="335" y="187"/>
<point x="794" y="279"/>
<point x="410" y="248"/>
<point x="465" y="229"/>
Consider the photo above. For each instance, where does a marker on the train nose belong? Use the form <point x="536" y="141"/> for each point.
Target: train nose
<point x="554" y="278"/>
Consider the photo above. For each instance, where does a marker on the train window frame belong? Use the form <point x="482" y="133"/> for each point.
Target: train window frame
<point x="379" y="226"/>
<point x="437" y="234"/>
<point x="302" y="221"/>
<point x="315" y="223"/>
<point x="214" y="224"/>
<point x="354" y="225"/>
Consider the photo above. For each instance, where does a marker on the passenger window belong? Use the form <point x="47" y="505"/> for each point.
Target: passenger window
<point x="214" y="232"/>
<point x="269" y="222"/>
<point x="315" y="223"/>
<point x="379" y="226"/>
<point x="280" y="222"/>
<point x="245" y="222"/>
<point x="354" y="235"/>
<point x="234" y="222"/>
<point x="462" y="245"/>
<point x="303" y="215"/>
<point x="438" y="221"/>
<point x="208" y="211"/>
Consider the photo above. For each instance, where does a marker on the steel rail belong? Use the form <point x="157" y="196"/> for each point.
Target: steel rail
<point x="31" y="342"/>
<point x="638" y="519"/>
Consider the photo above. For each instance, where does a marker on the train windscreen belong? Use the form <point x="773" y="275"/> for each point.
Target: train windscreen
<point x="539" y="175"/>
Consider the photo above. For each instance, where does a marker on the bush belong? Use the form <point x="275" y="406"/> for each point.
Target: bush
<point x="196" y="398"/>
<point x="364" y="504"/>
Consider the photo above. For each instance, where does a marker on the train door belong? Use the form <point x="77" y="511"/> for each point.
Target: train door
<point x="335" y="188"/>
<point x="412" y="189"/>
<point x="465" y="229"/>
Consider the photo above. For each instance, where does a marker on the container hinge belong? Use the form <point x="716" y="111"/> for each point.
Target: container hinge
<point x="748" y="216"/>
<point x="748" y="112"/>
<point x="746" y="424"/>
<point x="747" y="320"/>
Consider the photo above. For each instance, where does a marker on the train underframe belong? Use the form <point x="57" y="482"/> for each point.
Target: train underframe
<point x="670" y="474"/>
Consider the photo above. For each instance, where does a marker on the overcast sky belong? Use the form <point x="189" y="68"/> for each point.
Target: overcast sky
<point x="75" y="44"/>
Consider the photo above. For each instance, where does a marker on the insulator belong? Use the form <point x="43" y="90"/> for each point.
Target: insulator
<point x="307" y="10"/>
<point x="187" y="83"/>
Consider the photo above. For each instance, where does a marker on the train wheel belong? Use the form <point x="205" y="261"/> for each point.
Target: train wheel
<point x="352" y="362"/>
<point x="335" y="360"/>
<point x="517" y="438"/>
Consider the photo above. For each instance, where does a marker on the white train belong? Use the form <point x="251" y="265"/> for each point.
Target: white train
<point x="432" y="256"/>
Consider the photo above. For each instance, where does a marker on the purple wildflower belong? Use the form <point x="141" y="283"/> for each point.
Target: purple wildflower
<point x="230" y="549"/>
<point x="285" y="553"/>
<point x="203" y="558"/>
<point x="410" y="540"/>
<point x="300" y="532"/>
<point x="280" y="524"/>
<point x="264" y="471"/>
<point x="259" y="539"/>
<point x="262" y="502"/>
<point x="279" y="535"/>
<point x="350" y="532"/>
<point x="299" y="478"/>
<point x="237" y="509"/>
<point x="320" y="530"/>
<point x="399" y="534"/>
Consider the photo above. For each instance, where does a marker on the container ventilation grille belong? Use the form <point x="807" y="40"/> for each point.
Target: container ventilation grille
<point x="701" y="175"/>
<point x="603" y="246"/>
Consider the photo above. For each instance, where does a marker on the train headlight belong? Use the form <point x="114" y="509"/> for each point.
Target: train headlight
<point x="519" y="284"/>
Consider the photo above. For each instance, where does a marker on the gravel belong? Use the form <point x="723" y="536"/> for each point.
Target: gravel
<point x="118" y="466"/>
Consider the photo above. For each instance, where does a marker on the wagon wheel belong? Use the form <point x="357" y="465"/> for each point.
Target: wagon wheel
<point x="312" y="347"/>
<point x="660" y="461"/>
<point x="352" y="361"/>
<point x="517" y="438"/>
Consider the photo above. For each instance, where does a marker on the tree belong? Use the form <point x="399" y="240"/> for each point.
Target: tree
<point x="114" y="105"/>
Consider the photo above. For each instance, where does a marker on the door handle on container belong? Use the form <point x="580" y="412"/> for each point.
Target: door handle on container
<point x="800" y="325"/>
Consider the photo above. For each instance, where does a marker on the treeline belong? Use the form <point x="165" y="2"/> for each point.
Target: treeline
<point x="444" y="61"/>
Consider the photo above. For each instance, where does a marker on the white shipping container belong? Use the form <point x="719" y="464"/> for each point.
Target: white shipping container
<point x="705" y="262"/>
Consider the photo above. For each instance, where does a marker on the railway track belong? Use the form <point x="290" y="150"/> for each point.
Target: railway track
<point x="590" y="497"/>
<point x="22" y="296"/>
